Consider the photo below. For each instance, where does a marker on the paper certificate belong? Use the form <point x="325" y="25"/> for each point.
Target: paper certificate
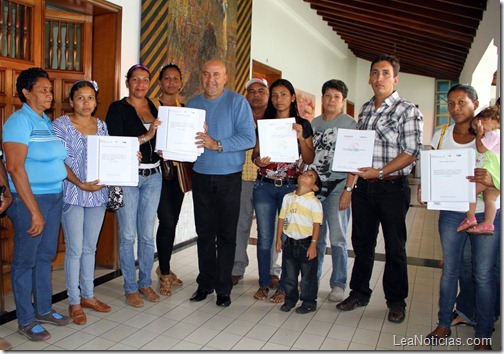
<point x="112" y="160"/>
<point x="353" y="150"/>
<point x="176" y="137"/>
<point x="444" y="179"/>
<point x="278" y="140"/>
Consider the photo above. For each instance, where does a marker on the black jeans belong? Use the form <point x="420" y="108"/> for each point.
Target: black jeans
<point x="385" y="203"/>
<point x="294" y="260"/>
<point x="168" y="213"/>
<point x="216" y="201"/>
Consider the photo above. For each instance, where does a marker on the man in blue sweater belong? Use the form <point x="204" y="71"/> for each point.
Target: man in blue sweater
<point x="216" y="181"/>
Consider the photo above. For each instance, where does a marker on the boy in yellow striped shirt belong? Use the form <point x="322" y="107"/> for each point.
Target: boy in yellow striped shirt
<point x="299" y="227"/>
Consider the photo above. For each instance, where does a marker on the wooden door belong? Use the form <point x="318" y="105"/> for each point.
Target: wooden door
<point x="61" y="37"/>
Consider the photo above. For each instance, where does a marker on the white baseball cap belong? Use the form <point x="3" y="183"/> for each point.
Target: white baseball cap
<point x="258" y="80"/>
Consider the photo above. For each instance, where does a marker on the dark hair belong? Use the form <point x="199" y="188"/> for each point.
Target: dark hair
<point x="80" y="84"/>
<point x="391" y="59"/>
<point x="271" y="110"/>
<point x="27" y="79"/>
<point x="336" y="85"/>
<point x="137" y="66"/>
<point x="492" y="112"/>
<point x="168" y="66"/>
<point x="318" y="181"/>
<point x="468" y="89"/>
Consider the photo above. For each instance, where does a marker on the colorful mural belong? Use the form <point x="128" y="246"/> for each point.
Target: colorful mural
<point x="194" y="32"/>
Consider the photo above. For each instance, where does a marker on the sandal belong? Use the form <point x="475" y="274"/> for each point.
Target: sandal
<point x="164" y="283"/>
<point x="481" y="229"/>
<point x="467" y="223"/>
<point x="278" y="297"/>
<point x="262" y="293"/>
<point x="175" y="280"/>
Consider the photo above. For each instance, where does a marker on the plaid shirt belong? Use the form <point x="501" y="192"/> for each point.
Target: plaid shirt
<point x="398" y="125"/>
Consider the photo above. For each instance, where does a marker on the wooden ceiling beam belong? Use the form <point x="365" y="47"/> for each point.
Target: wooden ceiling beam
<point x="455" y="8"/>
<point x="408" y="55"/>
<point x="400" y="26"/>
<point x="401" y="12"/>
<point x="362" y="27"/>
<point x="352" y="37"/>
<point x="362" y="35"/>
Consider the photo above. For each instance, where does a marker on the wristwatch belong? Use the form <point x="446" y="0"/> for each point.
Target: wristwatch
<point x="219" y="146"/>
<point x="380" y="174"/>
<point x="348" y="189"/>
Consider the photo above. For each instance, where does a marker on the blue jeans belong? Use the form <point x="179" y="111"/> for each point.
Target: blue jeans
<point x="267" y="204"/>
<point x="31" y="266"/>
<point x="335" y="224"/>
<point x="484" y="256"/>
<point x="216" y="201"/>
<point x="136" y="219"/>
<point x="294" y="261"/>
<point x="81" y="227"/>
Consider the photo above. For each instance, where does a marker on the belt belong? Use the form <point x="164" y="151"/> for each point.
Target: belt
<point x="302" y="242"/>
<point x="146" y="172"/>
<point x="278" y="182"/>
<point x="385" y="179"/>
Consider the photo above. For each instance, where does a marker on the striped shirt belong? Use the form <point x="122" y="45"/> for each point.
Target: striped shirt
<point x="76" y="146"/>
<point x="398" y="125"/>
<point x="299" y="213"/>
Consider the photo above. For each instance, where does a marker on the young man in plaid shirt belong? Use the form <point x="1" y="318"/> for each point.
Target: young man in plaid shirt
<point x="382" y="194"/>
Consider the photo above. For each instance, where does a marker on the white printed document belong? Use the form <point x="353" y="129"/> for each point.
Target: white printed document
<point x="176" y="137"/>
<point x="353" y="150"/>
<point x="113" y="160"/>
<point x="278" y="140"/>
<point x="444" y="182"/>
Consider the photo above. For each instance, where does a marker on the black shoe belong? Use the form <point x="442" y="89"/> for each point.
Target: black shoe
<point x="200" y="295"/>
<point x="350" y="303"/>
<point x="287" y="306"/>
<point x="305" y="308"/>
<point x="236" y="278"/>
<point x="223" y="300"/>
<point x="396" y="314"/>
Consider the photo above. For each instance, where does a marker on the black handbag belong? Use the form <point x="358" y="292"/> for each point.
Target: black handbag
<point x="115" y="198"/>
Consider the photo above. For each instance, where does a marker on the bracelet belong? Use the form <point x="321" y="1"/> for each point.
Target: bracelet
<point x="315" y="241"/>
<point x="142" y="137"/>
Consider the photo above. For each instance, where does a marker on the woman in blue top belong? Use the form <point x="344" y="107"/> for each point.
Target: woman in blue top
<point x="83" y="202"/>
<point x="34" y="157"/>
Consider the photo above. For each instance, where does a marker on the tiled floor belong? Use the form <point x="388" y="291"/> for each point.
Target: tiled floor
<point x="248" y="324"/>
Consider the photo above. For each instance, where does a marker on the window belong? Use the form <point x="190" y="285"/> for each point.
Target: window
<point x="442" y="114"/>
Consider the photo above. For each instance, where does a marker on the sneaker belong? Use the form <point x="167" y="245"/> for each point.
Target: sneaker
<point x="337" y="294"/>
<point x="34" y="332"/>
<point x="287" y="306"/>
<point x="350" y="303"/>
<point x="54" y="318"/>
<point x="149" y="294"/>
<point x="305" y="308"/>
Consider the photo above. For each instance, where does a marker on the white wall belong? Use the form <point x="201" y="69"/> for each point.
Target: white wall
<point x="289" y="36"/>
<point x="489" y="31"/>
<point x="130" y="40"/>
